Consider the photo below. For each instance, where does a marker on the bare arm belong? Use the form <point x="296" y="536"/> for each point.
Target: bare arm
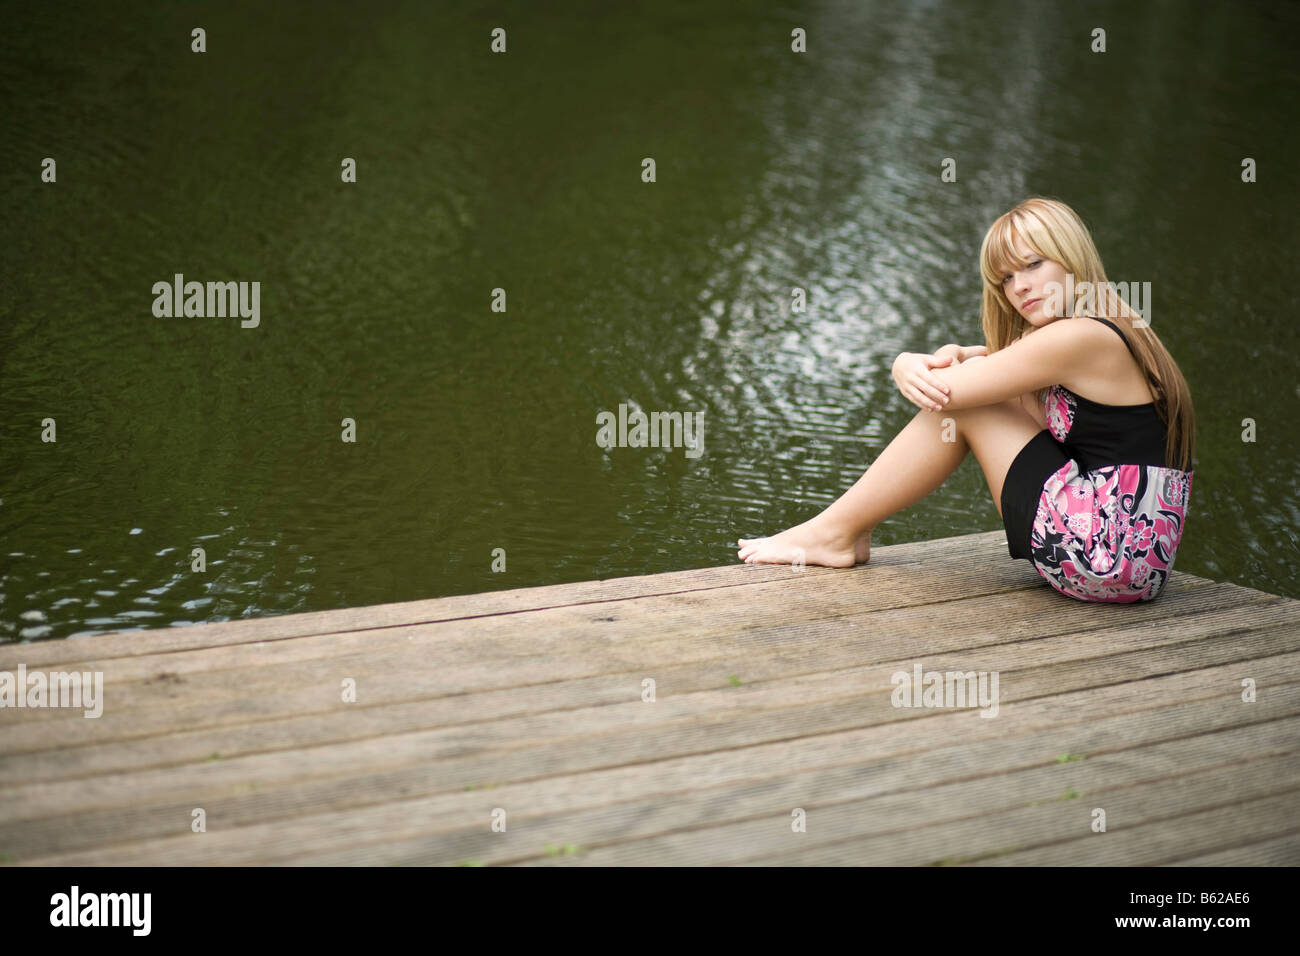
<point x="1030" y="363"/>
<point x="961" y="352"/>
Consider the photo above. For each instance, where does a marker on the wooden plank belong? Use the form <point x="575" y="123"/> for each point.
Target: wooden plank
<point x="533" y="695"/>
<point x="1081" y="723"/>
<point x="576" y="670"/>
<point x="895" y="794"/>
<point x="807" y="705"/>
<point x="1278" y="851"/>
<point x="61" y="750"/>
<point x="774" y="796"/>
<point x="768" y="604"/>
<point x="1221" y="827"/>
<point x="885" y="831"/>
<point x="966" y="565"/>
<point x="964" y="548"/>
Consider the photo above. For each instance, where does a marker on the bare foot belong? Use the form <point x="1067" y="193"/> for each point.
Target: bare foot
<point x="810" y="542"/>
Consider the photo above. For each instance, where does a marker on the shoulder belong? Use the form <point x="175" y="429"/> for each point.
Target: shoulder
<point x="1059" y="349"/>
<point x="1070" y="336"/>
<point x="1080" y="329"/>
<point x="1064" y="334"/>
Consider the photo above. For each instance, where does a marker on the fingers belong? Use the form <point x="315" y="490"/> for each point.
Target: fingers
<point x="924" y="391"/>
<point x="935" y="388"/>
<point x="927" y="403"/>
<point x="931" y="392"/>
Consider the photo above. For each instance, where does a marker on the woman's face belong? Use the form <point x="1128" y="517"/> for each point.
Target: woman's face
<point x="1027" y="290"/>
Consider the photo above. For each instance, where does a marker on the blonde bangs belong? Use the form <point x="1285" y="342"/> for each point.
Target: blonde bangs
<point x="999" y="256"/>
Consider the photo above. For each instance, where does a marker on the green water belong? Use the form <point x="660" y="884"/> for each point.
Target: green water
<point x="475" y="429"/>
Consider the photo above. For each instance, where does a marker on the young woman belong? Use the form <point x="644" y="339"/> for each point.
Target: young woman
<point x="1082" y="423"/>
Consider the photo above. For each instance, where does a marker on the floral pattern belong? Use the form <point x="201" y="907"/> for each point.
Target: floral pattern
<point x="1059" y="406"/>
<point x="1109" y="534"/>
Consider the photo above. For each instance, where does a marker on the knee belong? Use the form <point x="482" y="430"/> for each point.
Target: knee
<point x="996" y="409"/>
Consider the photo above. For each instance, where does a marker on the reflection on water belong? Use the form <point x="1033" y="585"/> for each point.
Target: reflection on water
<point x="476" y="428"/>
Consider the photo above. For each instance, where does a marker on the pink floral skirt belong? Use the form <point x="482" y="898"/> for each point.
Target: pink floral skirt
<point x="1110" y="534"/>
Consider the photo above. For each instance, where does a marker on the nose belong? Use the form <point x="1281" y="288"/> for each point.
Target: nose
<point x="1021" y="283"/>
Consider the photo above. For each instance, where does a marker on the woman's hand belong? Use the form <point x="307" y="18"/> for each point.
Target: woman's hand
<point x="918" y="385"/>
<point x="962" y="352"/>
<point x="954" y="350"/>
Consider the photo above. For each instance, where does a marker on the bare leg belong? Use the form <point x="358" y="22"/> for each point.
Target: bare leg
<point x="915" y="463"/>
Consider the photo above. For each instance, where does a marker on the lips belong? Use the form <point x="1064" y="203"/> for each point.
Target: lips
<point x="1026" y="305"/>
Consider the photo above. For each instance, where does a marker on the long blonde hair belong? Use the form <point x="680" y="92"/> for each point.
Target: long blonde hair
<point x="1054" y="231"/>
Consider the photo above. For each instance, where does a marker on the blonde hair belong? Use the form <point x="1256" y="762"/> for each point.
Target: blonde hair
<point x="1054" y="231"/>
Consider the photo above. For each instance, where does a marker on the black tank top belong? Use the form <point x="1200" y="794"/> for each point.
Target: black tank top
<point x="1097" y="435"/>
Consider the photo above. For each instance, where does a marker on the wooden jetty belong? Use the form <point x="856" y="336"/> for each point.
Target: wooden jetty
<point x="772" y="736"/>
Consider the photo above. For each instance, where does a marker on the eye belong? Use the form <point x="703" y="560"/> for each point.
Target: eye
<point x="1035" y="264"/>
